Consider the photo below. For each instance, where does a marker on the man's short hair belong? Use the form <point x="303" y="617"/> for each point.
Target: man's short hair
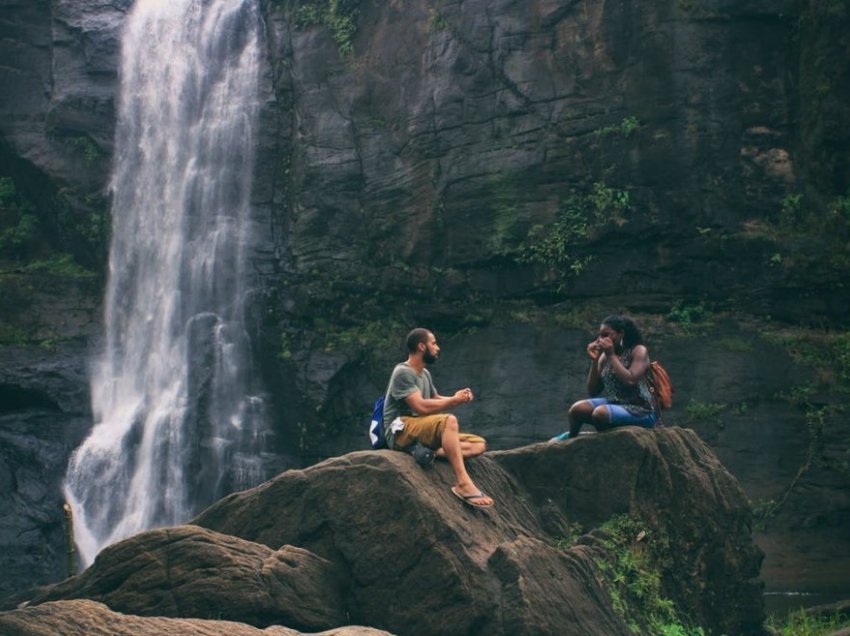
<point x="416" y="337"/>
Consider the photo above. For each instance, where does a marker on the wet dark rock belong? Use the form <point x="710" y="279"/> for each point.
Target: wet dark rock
<point x="190" y="572"/>
<point x="416" y="560"/>
<point x="88" y="618"/>
<point x="44" y="415"/>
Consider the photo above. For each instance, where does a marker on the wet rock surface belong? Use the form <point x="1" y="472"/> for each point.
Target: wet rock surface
<point x="371" y="538"/>
<point x="88" y="618"/>
<point x="396" y="531"/>
<point x="190" y="572"/>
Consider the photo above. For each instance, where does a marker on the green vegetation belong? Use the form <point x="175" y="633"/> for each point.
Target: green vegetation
<point x="58" y="265"/>
<point x="800" y="623"/>
<point x="764" y="510"/>
<point x="571" y="534"/>
<point x="735" y="345"/>
<point x="44" y="236"/>
<point x="822" y="91"/>
<point x="338" y="16"/>
<point x="436" y="21"/>
<point x="369" y="336"/>
<point x="505" y="214"/>
<point x="85" y="147"/>
<point x="14" y="240"/>
<point x="559" y="245"/>
<point x="625" y="128"/>
<point x="704" y="412"/>
<point x="89" y="230"/>
<point x="19" y="226"/>
<point x="829" y="355"/>
<point x="633" y="578"/>
<point x="691" y="319"/>
<point x="827" y="352"/>
<point x="11" y="335"/>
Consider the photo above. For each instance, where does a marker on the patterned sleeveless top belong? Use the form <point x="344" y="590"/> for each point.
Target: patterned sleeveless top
<point x="635" y="398"/>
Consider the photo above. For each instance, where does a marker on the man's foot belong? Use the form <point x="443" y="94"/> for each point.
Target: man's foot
<point x="474" y="497"/>
<point x="561" y="438"/>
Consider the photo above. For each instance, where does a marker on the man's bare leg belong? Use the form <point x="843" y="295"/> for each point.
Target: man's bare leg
<point x="452" y="448"/>
<point x="467" y="449"/>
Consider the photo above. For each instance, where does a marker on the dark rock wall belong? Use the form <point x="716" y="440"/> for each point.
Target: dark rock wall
<point x="401" y="172"/>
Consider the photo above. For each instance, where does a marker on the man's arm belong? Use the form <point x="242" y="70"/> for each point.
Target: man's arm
<point x="429" y="406"/>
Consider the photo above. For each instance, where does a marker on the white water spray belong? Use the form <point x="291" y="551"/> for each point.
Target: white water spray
<point x="177" y="420"/>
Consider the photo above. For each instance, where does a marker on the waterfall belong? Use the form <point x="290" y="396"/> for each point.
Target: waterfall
<point x="179" y="420"/>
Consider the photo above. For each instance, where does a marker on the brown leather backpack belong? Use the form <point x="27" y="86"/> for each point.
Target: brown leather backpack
<point x="660" y="385"/>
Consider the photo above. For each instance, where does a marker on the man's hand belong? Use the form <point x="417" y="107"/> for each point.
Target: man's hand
<point x="464" y="395"/>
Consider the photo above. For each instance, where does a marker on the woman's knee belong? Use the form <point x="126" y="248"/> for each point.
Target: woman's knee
<point x="600" y="416"/>
<point x="582" y="407"/>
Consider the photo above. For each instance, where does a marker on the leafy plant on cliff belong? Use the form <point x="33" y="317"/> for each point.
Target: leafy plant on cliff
<point x="827" y="353"/>
<point x="802" y="623"/>
<point x="809" y="238"/>
<point x="338" y="16"/>
<point x="704" y="412"/>
<point x="625" y="128"/>
<point x="505" y="199"/>
<point x="558" y="246"/>
<point x="19" y="226"/>
<point x="436" y="21"/>
<point x="88" y="232"/>
<point x="828" y="356"/>
<point x="58" y="265"/>
<point x="691" y="319"/>
<point x="633" y="577"/>
<point x="821" y="39"/>
<point x="85" y="147"/>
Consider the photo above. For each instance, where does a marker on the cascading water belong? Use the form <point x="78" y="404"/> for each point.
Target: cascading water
<point x="178" y="422"/>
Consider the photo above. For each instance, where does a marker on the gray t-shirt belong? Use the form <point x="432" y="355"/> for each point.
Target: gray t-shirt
<point x="404" y="382"/>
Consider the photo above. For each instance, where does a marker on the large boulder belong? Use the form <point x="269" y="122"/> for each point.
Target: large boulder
<point x="677" y="487"/>
<point x="418" y="561"/>
<point x="89" y="618"/>
<point x="191" y="572"/>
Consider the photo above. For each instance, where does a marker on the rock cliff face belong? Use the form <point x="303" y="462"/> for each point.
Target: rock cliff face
<point x="505" y="173"/>
<point x="382" y="542"/>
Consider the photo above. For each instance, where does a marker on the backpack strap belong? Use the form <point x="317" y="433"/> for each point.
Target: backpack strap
<point x="650" y="383"/>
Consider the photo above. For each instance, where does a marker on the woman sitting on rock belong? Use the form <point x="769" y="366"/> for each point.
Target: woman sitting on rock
<point x="616" y="381"/>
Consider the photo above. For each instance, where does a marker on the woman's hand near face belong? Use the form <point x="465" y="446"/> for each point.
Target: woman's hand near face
<point x="593" y="350"/>
<point x="607" y="346"/>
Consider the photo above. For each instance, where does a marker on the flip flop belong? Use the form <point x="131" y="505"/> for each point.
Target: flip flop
<point x="468" y="499"/>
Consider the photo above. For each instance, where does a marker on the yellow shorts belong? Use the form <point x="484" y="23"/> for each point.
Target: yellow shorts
<point x="428" y="431"/>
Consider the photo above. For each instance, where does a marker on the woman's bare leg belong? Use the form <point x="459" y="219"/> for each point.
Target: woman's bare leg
<point x="467" y="449"/>
<point x="600" y="419"/>
<point x="580" y="413"/>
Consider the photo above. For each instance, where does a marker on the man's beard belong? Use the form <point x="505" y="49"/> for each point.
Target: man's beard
<point x="427" y="358"/>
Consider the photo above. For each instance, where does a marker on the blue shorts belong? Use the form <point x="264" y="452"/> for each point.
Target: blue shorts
<point x="619" y="416"/>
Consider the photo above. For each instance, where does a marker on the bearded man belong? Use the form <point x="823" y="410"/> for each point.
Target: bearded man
<point x="414" y="413"/>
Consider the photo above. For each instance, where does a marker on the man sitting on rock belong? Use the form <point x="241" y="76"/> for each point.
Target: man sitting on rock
<point x="413" y="412"/>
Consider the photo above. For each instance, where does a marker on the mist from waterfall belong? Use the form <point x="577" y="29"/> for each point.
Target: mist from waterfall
<point x="179" y="421"/>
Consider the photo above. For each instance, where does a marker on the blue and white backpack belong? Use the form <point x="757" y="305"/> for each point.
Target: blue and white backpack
<point x="376" y="426"/>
